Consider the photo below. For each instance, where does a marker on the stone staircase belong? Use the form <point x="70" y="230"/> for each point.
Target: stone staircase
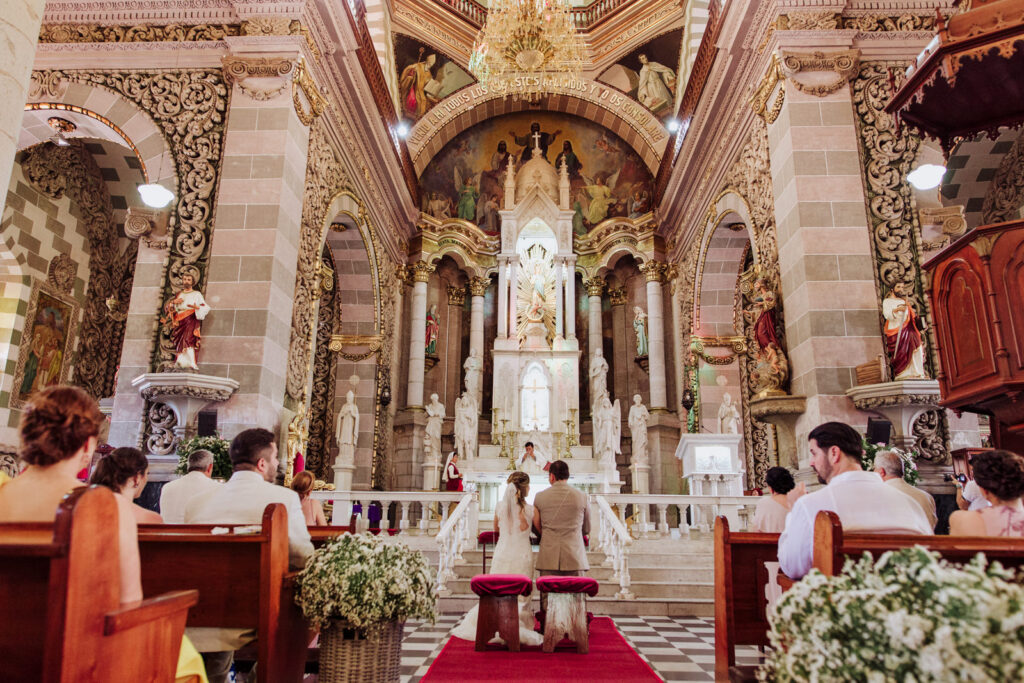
<point x="669" y="577"/>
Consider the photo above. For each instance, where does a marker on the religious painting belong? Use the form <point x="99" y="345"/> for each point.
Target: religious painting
<point x="649" y="75"/>
<point x="425" y="77"/>
<point x="45" y="353"/>
<point x="466" y="179"/>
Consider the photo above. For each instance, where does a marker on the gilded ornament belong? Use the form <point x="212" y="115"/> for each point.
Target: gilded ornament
<point x="653" y="271"/>
<point x="321" y="411"/>
<point x="456" y="296"/>
<point x="797" y="65"/>
<point x="303" y="83"/>
<point x="825" y="20"/>
<point x="617" y="296"/>
<point x="594" y="286"/>
<point x="150" y="33"/>
<point x="478" y="285"/>
<point x="421" y="271"/>
<point x="762" y="95"/>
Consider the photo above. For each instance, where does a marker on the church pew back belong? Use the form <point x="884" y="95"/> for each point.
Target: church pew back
<point x="833" y="546"/>
<point x="740" y="581"/>
<point x="60" y="612"/>
<point x="243" y="581"/>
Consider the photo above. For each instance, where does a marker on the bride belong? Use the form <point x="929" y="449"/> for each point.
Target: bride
<point x="512" y="555"/>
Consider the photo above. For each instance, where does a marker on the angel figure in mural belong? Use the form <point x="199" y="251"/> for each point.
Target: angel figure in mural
<point x="640" y="327"/>
<point x="468" y="194"/>
<point x="601" y="198"/>
<point x="185" y="313"/>
<point x="657" y="85"/>
<point x="433" y="329"/>
<point x="346" y="429"/>
<point x="607" y="418"/>
<point x="728" y="416"/>
<point x="903" y="335"/>
<point x="639" y="201"/>
<point x="598" y="374"/>
<point x="417" y="85"/>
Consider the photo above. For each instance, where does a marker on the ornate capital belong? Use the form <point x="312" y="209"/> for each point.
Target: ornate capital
<point x="820" y="73"/>
<point x="478" y="286"/>
<point x="261" y="78"/>
<point x="595" y="286"/>
<point x="654" y="271"/>
<point x="421" y="271"/>
<point x="456" y="295"/>
<point x="617" y="295"/>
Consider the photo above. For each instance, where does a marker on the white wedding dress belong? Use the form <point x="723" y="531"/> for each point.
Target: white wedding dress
<point x="512" y="555"/>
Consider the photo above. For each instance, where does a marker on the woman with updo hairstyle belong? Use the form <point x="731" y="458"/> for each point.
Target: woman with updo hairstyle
<point x="771" y="511"/>
<point x="1000" y="476"/>
<point x="312" y="510"/>
<point x="59" y="429"/>
<point x="521" y="482"/>
<point x="125" y="471"/>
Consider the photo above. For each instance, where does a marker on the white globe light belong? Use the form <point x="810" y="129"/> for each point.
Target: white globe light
<point x="155" y="195"/>
<point x="672" y="125"/>
<point x="926" y="176"/>
<point x="402" y="129"/>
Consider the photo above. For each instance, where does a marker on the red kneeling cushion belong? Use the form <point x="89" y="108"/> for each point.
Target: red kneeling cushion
<point x="488" y="537"/>
<point x="567" y="584"/>
<point x="501" y="584"/>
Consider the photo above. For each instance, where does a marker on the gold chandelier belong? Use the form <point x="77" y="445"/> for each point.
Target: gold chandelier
<point x="527" y="47"/>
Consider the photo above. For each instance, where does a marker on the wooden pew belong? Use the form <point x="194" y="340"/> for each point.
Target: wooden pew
<point x="60" y="614"/>
<point x="740" y="602"/>
<point x="832" y="546"/>
<point x="320" y="535"/>
<point x="243" y="581"/>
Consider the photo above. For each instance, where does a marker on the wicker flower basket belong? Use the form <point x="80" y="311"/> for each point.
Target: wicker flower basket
<point x="354" y="655"/>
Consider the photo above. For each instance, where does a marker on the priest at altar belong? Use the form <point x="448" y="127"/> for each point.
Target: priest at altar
<point x="531" y="461"/>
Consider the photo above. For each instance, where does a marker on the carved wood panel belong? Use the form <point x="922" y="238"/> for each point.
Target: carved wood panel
<point x="1008" y="276"/>
<point x="962" y="322"/>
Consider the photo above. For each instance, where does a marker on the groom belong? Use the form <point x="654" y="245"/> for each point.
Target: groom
<point x="561" y="516"/>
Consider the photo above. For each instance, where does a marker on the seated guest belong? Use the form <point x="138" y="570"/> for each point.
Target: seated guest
<point x="312" y="510"/>
<point x="861" y="499"/>
<point x="771" y="511"/>
<point x="1000" y="477"/>
<point x="58" y="432"/>
<point x="175" y="495"/>
<point x="125" y="472"/>
<point x="889" y="466"/>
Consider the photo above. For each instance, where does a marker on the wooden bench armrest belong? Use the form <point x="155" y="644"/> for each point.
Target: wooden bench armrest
<point x="151" y="609"/>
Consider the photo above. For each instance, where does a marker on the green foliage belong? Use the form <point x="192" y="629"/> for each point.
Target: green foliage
<point x="910" y="473"/>
<point x="214" y="444"/>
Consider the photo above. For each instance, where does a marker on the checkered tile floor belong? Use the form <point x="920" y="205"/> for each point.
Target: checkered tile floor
<point x="677" y="648"/>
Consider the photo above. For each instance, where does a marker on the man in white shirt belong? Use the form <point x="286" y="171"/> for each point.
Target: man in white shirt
<point x="242" y="500"/>
<point x="861" y="499"/>
<point x="889" y="466"/>
<point x="175" y="495"/>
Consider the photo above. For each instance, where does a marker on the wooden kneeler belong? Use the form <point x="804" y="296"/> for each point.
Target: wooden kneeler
<point x="499" y="607"/>
<point x="567" y="603"/>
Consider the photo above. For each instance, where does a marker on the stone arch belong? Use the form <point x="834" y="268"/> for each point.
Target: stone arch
<point x="613" y="255"/>
<point x="464" y="260"/>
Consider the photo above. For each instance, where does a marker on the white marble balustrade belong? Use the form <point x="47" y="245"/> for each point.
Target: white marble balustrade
<point x="411" y="504"/>
<point x="703" y="510"/>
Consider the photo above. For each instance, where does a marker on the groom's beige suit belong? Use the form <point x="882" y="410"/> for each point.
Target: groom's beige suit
<point x="564" y="519"/>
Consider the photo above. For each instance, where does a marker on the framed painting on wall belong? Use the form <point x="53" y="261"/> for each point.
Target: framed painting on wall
<point x="44" y="359"/>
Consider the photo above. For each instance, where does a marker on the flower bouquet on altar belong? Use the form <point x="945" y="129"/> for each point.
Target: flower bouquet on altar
<point x="910" y="616"/>
<point x="359" y="590"/>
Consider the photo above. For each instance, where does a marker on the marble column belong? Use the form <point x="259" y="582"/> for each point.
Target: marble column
<point x="622" y="347"/>
<point x="20" y="31"/>
<point x="513" y="293"/>
<point x="421" y="271"/>
<point x="654" y="271"/>
<point x="570" y="299"/>
<point x="477" y="289"/>
<point x="559" y="267"/>
<point x="502" y="298"/>
<point x="595" y="336"/>
<point x="453" y="344"/>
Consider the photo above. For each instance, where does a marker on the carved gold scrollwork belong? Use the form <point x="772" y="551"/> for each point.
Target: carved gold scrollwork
<point x="321" y="413"/>
<point x="304" y="88"/>
<point x="759" y="100"/>
<point x="372" y="343"/>
<point x="148" y="33"/>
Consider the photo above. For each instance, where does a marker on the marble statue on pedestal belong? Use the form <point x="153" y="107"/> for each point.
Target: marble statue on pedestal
<point x="640" y="327"/>
<point x="598" y="375"/>
<point x="472" y="368"/>
<point x="346" y="430"/>
<point x="466" y="416"/>
<point x="607" y="418"/>
<point x="638" y="419"/>
<point x="728" y="416"/>
<point x="435" y="419"/>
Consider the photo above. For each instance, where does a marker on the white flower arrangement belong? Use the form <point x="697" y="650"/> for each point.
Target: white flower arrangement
<point x="366" y="581"/>
<point x="910" y="473"/>
<point x="909" y="617"/>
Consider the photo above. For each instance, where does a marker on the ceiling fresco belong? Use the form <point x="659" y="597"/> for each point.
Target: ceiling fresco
<point x="648" y="73"/>
<point x="425" y="77"/>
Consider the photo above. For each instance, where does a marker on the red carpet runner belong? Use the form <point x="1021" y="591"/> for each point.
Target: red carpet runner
<point x="610" y="658"/>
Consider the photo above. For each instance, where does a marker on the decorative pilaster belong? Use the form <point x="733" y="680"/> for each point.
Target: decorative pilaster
<point x="654" y="271"/>
<point x="477" y="289"/>
<point x="570" y="299"/>
<point x="421" y="271"/>
<point x="559" y="267"/>
<point x="595" y="336"/>
<point x="503" y="297"/>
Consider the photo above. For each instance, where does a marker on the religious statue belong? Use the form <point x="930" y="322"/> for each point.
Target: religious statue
<point x="435" y="419"/>
<point x="640" y="327"/>
<point x="472" y="368"/>
<point x="638" y="419"/>
<point x="607" y="418"/>
<point x="728" y="416"/>
<point x="186" y="310"/>
<point x="413" y="82"/>
<point x="535" y="313"/>
<point x="656" y="86"/>
<point x="771" y="368"/>
<point x="598" y="375"/>
<point x="346" y="430"/>
<point x="466" y="428"/>
<point x="298" y="435"/>
<point x="536" y="139"/>
<point x="433" y="328"/>
<point x="903" y="335"/>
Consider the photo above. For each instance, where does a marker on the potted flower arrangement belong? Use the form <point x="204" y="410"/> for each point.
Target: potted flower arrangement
<point x="214" y="444"/>
<point x="359" y="590"/>
<point x="909" y="616"/>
